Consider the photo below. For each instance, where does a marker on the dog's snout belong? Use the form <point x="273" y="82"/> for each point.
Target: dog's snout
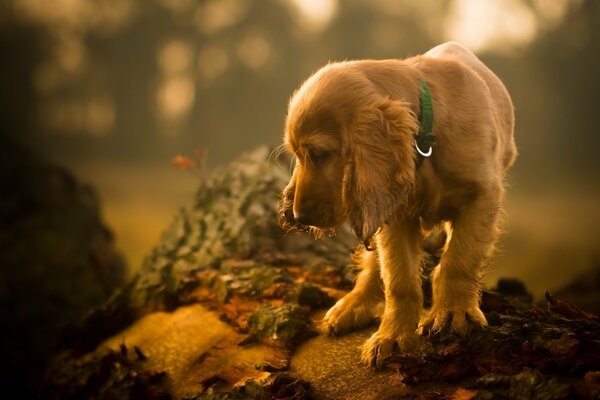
<point x="302" y="217"/>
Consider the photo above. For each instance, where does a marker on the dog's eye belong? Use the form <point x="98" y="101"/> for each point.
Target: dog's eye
<point x="318" y="156"/>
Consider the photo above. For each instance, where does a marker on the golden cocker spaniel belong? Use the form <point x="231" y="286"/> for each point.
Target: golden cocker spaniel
<point x="353" y="128"/>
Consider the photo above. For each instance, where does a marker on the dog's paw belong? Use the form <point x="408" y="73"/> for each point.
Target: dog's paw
<point x="349" y="313"/>
<point x="459" y="320"/>
<point x="376" y="349"/>
<point x="380" y="346"/>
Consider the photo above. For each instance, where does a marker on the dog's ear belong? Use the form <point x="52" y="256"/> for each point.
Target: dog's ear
<point x="285" y="216"/>
<point x="380" y="164"/>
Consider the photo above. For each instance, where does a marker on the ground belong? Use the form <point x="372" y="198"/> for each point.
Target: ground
<point x="226" y="307"/>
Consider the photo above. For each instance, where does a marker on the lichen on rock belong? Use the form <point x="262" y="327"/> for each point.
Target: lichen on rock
<point x="528" y="384"/>
<point x="287" y="323"/>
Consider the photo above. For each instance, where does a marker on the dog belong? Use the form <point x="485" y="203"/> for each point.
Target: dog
<point x="354" y="129"/>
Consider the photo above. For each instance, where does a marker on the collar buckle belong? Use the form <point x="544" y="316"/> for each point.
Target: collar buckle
<point x="425" y="138"/>
<point x="421" y="152"/>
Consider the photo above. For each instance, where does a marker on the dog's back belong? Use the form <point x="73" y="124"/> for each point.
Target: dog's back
<point x="503" y="107"/>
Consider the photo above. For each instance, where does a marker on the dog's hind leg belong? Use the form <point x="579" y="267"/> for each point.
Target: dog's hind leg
<point x="359" y="307"/>
<point x="456" y="281"/>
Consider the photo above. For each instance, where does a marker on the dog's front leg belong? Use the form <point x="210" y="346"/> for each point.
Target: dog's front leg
<point x="456" y="281"/>
<point x="399" y="246"/>
<point x="359" y="307"/>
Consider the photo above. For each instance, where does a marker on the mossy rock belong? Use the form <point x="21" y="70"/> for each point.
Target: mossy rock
<point x="286" y="324"/>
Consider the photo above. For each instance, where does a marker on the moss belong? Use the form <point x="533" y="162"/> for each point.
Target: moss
<point x="106" y="374"/>
<point x="309" y="295"/>
<point x="277" y="386"/>
<point x="529" y="384"/>
<point x="251" y="278"/>
<point x="286" y="324"/>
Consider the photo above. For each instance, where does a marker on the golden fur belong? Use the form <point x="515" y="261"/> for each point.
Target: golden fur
<point x="351" y="128"/>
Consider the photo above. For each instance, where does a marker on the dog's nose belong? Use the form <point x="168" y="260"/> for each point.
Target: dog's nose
<point x="302" y="217"/>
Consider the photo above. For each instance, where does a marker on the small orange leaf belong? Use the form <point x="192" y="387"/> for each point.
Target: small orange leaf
<point x="183" y="162"/>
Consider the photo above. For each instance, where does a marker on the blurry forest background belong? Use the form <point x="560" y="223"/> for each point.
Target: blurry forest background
<point x="113" y="89"/>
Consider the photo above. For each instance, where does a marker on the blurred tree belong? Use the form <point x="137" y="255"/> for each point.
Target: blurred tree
<point x="145" y="80"/>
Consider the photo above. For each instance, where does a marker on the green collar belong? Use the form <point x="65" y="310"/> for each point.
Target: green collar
<point x="425" y="138"/>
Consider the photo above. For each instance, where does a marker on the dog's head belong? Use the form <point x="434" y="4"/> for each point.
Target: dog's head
<point x="353" y="154"/>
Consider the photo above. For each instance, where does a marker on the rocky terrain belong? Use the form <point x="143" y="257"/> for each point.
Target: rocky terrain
<point x="226" y="307"/>
<point x="58" y="261"/>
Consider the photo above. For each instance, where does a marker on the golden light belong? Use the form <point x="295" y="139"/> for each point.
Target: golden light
<point x="71" y="54"/>
<point x="175" y="57"/>
<point x="82" y="15"/>
<point x="553" y="11"/>
<point x="214" y="15"/>
<point x="96" y="116"/>
<point x="213" y="61"/>
<point x="177" y="5"/>
<point x="175" y="97"/>
<point x="100" y="115"/>
<point x="498" y="25"/>
<point x="315" y="15"/>
<point x="254" y="51"/>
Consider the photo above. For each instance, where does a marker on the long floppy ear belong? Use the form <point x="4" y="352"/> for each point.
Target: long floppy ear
<point x="380" y="164"/>
<point x="285" y="215"/>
